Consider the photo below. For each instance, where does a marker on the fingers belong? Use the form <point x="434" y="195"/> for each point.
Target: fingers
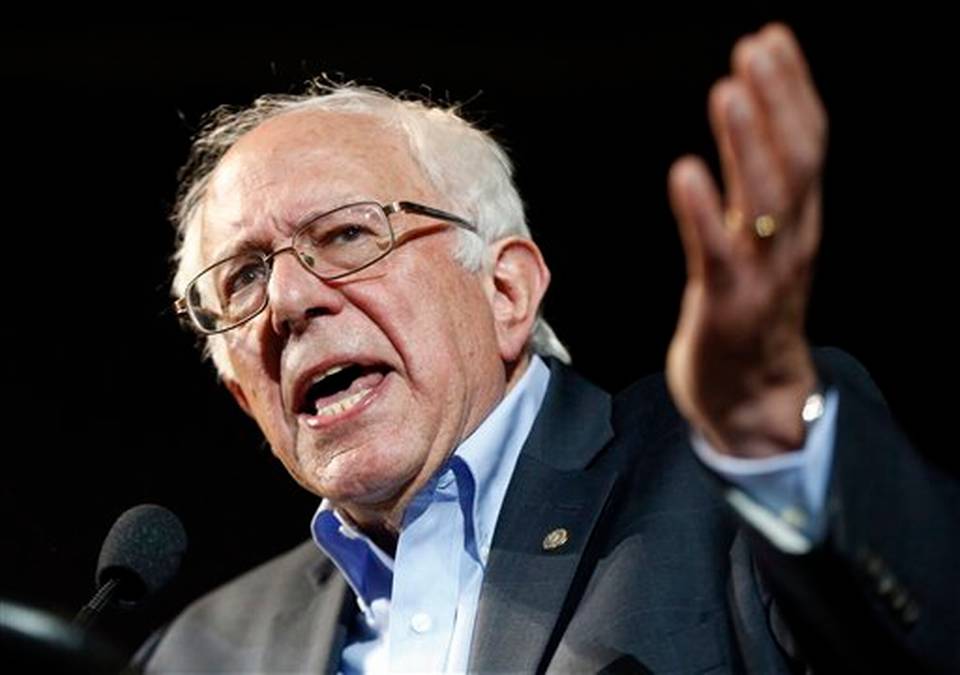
<point x="772" y="66"/>
<point x="732" y="179"/>
<point x="699" y="212"/>
<point x="748" y="154"/>
<point x="770" y="129"/>
<point x="769" y="125"/>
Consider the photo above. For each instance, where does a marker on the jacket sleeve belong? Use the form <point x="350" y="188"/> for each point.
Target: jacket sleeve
<point x="881" y="592"/>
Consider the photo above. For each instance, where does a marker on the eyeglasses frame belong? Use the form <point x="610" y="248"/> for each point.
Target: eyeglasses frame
<point x="184" y="311"/>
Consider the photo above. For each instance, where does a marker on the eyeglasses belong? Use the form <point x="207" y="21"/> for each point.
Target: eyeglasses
<point x="330" y="246"/>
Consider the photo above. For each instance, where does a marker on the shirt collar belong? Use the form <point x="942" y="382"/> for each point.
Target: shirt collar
<point x="489" y="455"/>
<point x="492" y="450"/>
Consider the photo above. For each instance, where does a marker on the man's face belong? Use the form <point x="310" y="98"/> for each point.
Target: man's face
<point x="418" y="327"/>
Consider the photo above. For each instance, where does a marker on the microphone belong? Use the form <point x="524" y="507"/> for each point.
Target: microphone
<point x="140" y="555"/>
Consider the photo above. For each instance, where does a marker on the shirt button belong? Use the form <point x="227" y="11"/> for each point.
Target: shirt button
<point x="794" y="516"/>
<point x="421" y="623"/>
<point x="346" y="533"/>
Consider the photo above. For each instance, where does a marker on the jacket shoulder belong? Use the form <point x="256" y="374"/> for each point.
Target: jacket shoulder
<point x="233" y="626"/>
<point x="283" y="576"/>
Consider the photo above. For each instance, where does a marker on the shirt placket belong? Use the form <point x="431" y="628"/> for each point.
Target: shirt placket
<point x="426" y="580"/>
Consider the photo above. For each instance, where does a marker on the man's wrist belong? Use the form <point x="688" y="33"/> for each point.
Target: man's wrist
<point x="773" y="424"/>
<point x="792" y="486"/>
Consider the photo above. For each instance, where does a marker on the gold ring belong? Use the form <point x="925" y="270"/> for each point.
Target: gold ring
<point x="765" y="226"/>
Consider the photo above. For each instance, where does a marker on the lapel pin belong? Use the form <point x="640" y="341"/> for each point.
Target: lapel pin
<point x="555" y="539"/>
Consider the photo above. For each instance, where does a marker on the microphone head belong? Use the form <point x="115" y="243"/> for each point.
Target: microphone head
<point x="142" y="552"/>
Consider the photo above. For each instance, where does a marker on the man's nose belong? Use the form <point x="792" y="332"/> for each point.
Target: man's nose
<point x="297" y="296"/>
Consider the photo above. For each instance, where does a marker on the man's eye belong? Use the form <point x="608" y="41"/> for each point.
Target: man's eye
<point x="242" y="278"/>
<point x="344" y="235"/>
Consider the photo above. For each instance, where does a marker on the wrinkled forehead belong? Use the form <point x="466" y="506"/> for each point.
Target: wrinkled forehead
<point x="302" y="163"/>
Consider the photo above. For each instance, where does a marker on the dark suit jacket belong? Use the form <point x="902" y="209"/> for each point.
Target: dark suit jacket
<point x="657" y="574"/>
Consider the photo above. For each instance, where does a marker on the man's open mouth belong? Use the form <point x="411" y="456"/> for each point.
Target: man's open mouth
<point x="339" y="388"/>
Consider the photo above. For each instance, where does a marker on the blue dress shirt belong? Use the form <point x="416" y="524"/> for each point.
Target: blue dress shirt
<point x="417" y="611"/>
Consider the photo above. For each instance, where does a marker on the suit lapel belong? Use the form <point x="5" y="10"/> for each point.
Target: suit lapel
<point x="311" y="634"/>
<point x="552" y="492"/>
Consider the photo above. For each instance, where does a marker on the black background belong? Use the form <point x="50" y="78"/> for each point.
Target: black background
<point x="108" y="405"/>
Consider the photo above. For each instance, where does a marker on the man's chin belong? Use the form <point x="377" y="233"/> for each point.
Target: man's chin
<point x="348" y="479"/>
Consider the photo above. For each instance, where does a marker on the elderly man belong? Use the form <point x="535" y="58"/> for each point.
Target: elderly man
<point x="371" y="297"/>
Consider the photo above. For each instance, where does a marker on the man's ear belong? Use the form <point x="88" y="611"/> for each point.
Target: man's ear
<point x="234" y="388"/>
<point x="520" y="278"/>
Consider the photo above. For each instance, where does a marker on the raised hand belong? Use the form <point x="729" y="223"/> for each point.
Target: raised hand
<point x="739" y="365"/>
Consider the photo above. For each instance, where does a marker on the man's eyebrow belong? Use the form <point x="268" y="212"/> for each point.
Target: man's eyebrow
<point x="245" y="245"/>
<point x="261" y="244"/>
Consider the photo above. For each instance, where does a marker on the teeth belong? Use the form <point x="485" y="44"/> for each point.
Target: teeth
<point x="328" y="373"/>
<point x="343" y="404"/>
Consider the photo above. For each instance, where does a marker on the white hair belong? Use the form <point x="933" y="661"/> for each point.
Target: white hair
<point x="462" y="162"/>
